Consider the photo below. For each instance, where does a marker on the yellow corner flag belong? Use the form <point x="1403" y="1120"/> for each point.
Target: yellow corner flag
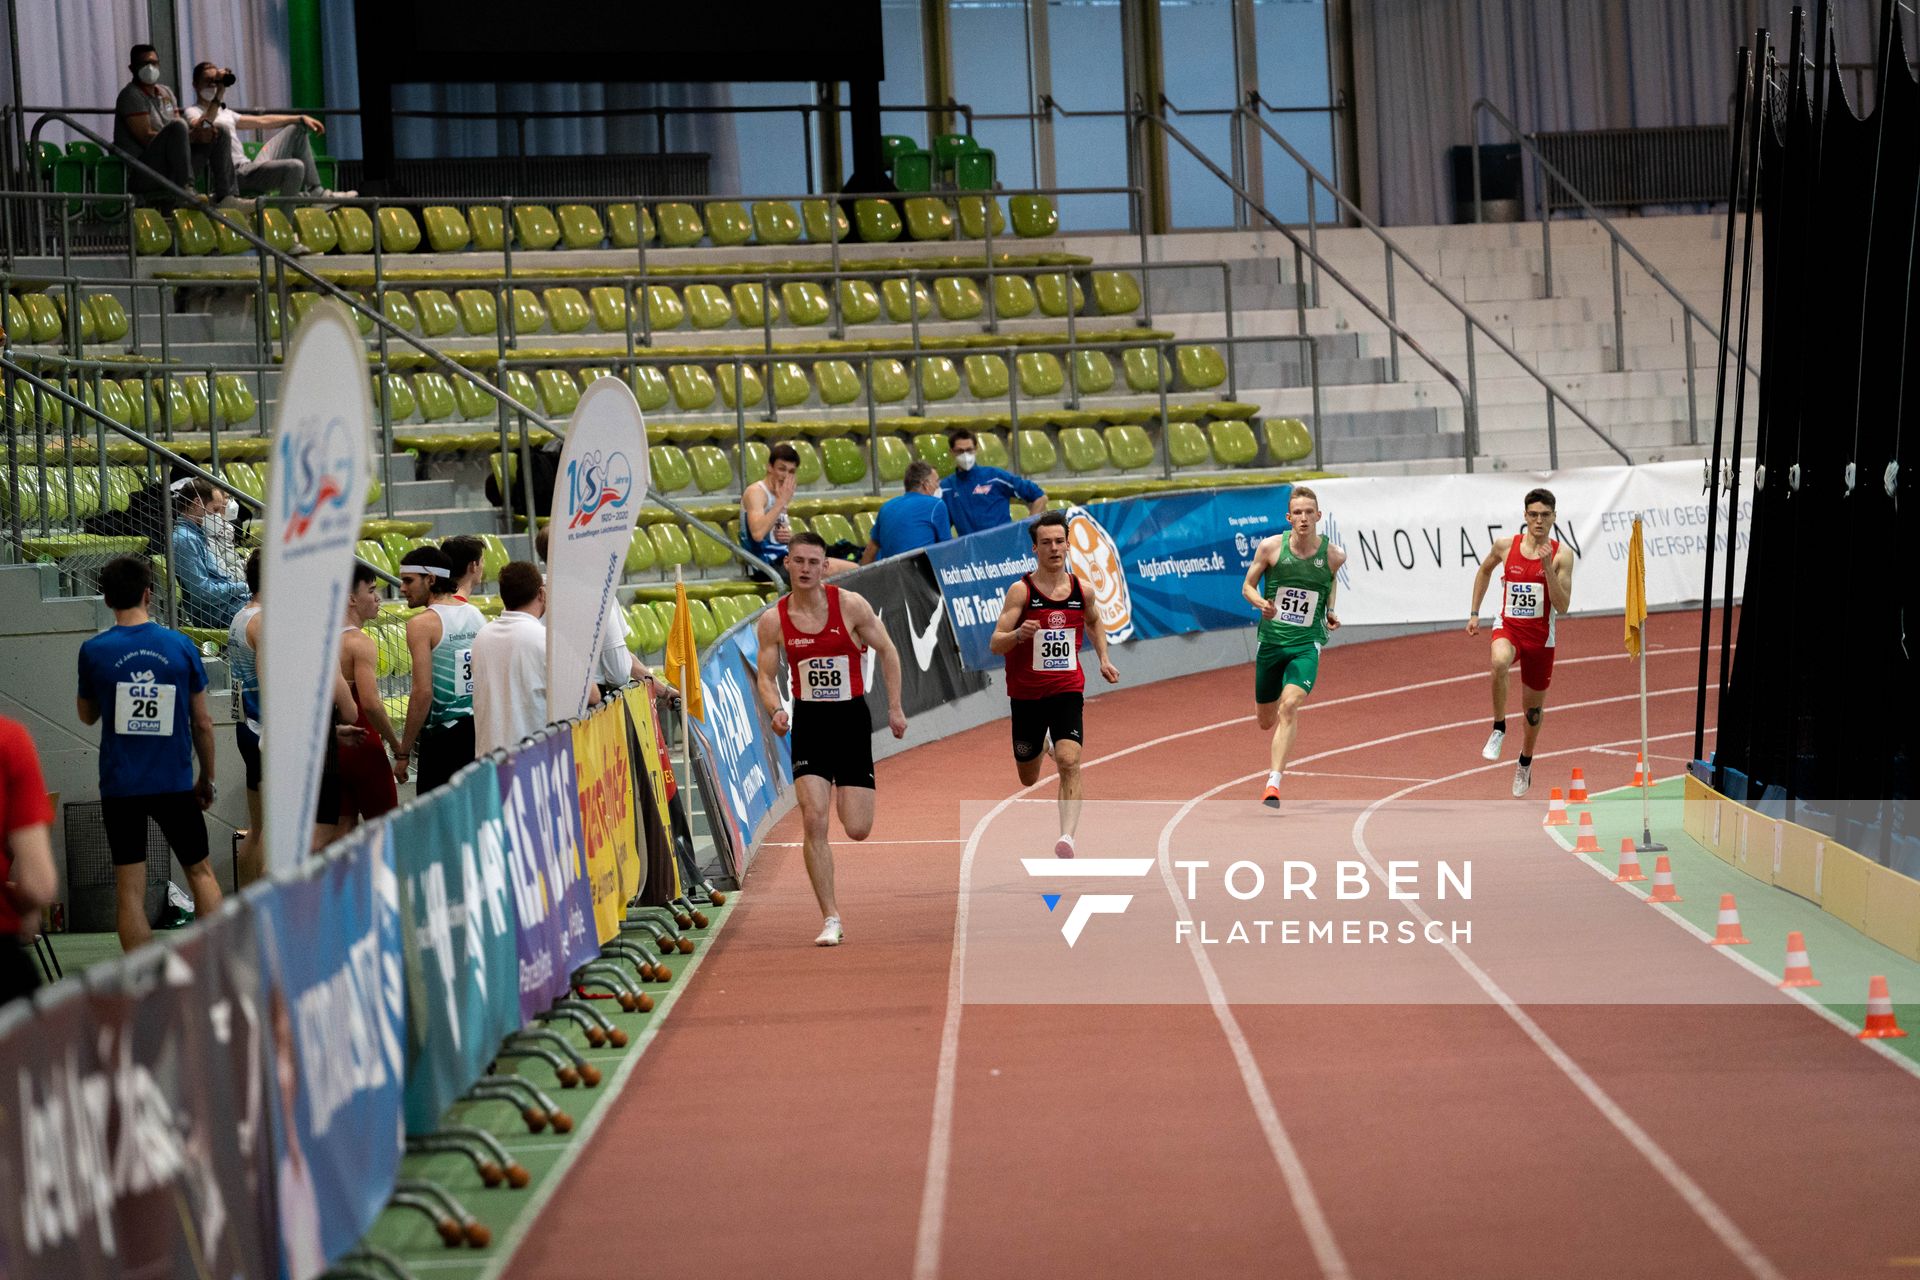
<point x="683" y="657"/>
<point x="1636" y="591"/>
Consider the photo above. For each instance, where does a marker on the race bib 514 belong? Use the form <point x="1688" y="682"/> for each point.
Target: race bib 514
<point x="1296" y="606"/>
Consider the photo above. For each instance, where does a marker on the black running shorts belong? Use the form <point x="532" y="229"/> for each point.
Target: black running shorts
<point x="834" y="740"/>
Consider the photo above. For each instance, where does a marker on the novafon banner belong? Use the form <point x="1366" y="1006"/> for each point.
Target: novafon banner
<point x="463" y="967"/>
<point x="596" y="499"/>
<point x="335" y="1032"/>
<point x="546" y="867"/>
<point x="315" y="500"/>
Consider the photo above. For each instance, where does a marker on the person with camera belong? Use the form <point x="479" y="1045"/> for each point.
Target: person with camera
<point x="285" y="164"/>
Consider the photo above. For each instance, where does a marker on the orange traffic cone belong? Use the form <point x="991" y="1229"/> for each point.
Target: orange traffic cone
<point x="1799" y="969"/>
<point x="1629" y="864"/>
<point x="1663" y="890"/>
<point x="1588" y="841"/>
<point x="1556" y="809"/>
<point x="1577" y="790"/>
<point x="1640" y="775"/>
<point x="1880" y="1022"/>
<point x="1728" y="934"/>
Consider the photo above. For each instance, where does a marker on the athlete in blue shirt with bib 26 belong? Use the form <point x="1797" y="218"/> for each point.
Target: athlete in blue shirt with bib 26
<point x="144" y="685"/>
<point x="979" y="497"/>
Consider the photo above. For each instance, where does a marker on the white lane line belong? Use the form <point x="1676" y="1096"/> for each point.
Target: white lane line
<point x="1293" y="1170"/>
<point x="933" y="1195"/>
<point x="796" y="844"/>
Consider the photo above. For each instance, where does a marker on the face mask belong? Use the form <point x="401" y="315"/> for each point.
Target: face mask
<point x="233" y="510"/>
<point x="148" y="74"/>
<point x="206" y="93"/>
<point x="964" y="461"/>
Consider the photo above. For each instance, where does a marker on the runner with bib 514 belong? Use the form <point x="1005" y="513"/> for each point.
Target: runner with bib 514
<point x="1291" y="582"/>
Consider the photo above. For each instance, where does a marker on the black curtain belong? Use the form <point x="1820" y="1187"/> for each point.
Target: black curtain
<point x="1815" y="707"/>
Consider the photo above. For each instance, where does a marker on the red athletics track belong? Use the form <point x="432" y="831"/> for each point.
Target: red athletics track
<point x="1734" y="1135"/>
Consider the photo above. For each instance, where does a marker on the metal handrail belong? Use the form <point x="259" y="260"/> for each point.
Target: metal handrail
<point x="1394" y="250"/>
<point x="1620" y="241"/>
<point x="387" y="328"/>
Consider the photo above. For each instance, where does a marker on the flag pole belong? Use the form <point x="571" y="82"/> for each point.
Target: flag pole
<point x="686" y="712"/>
<point x="1647" y="842"/>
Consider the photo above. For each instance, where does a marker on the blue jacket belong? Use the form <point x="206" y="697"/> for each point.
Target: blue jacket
<point x="978" y="499"/>
<point x="208" y="596"/>
<point x="909" y="522"/>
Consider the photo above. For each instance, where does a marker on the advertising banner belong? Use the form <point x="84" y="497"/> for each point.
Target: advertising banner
<point x="463" y="964"/>
<point x="334" y="1027"/>
<point x="604" y="792"/>
<point x="597" y="494"/>
<point x="168" y="1045"/>
<point x="316" y="497"/>
<point x="753" y="763"/>
<point x="540" y="804"/>
<point x="903" y="594"/>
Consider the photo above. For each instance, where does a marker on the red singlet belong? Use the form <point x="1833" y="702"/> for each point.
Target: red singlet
<point x="1050" y="662"/>
<point x="824" y="666"/>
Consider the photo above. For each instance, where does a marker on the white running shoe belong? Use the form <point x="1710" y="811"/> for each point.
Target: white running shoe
<point x="1492" y="750"/>
<point x="830" y="935"/>
<point x="1063" y="847"/>
<point x="1522" y="779"/>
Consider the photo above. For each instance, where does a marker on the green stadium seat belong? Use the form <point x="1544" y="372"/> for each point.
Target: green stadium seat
<point x="1233" y="443"/>
<point x="316" y="229"/>
<point x="398" y="308"/>
<point x="227" y="241"/>
<point x="889" y="381"/>
<point x="704" y="628"/>
<point x="1036" y="456"/>
<point x="650" y="387"/>
<point x="790" y="385"/>
<point x="109" y="317"/>
<point x="739" y="384"/>
<point x="399" y="232"/>
<point x="806" y="302"/>
<point x="1116" y="293"/>
<point x="708" y="305"/>
<point x="354" y="228"/>
<point x="1092" y="373"/>
<point x="928" y="218"/>
<point x="1141" y="364"/>
<point x="391" y="394"/>
<point x="1186" y="444"/>
<point x="1288" y="440"/>
<point x="610" y="306"/>
<point x="986" y="377"/>
<point x="993" y="453"/>
<point x="838" y="382"/>
<point x="728" y="223"/>
<point x="447" y="229"/>
<point x="593" y="374"/>
<point x="473" y="400"/>
<point x="931" y="448"/>
<point x="913" y="170"/>
<point x="519" y="386"/>
<point x="775" y="222"/>
<point x="904" y="298"/>
<point x="680" y="224"/>
<point x="489" y="222"/>
<point x="114" y="402"/>
<point x="1040" y="374"/>
<point x="939" y="379"/>
<point x="1129" y="446"/>
<point x="438" y="315"/>
<point x="529" y="316"/>
<point x="477" y="312"/>
<point x="1060" y="294"/>
<point x="494" y="558"/>
<point x="835" y="527"/>
<point x="277" y="229"/>
<point x="234" y="398"/>
<point x="843" y="460"/>
<point x="1013" y="297"/>
<point x="664" y="310"/>
<point x="1083" y="449"/>
<point x="709" y="553"/>
<point x="825" y="220"/>
<point x="580" y="226"/>
<point x="879" y="221"/>
<point x="977" y="213"/>
<point x="151" y="234"/>
<point x="671" y="470"/>
<point x="567" y="310"/>
<point x="1033" y="216"/>
<point x="711" y="471"/>
<point x="959" y="298"/>
<point x="752" y="305"/>
<point x="756" y="464"/>
<point x="435" y="396"/>
<point x="692" y="386"/>
<point x="535" y="227"/>
<point x="559" y="393"/>
<point x="43" y="317"/>
<point x="193" y="233"/>
<point x="670" y="549"/>
<point x="859" y="302"/>
<point x="629" y="226"/>
<point x="639" y="551"/>
<point x="1201" y="368"/>
<point x="893" y="456"/>
<point x="810" y="472"/>
<point x="644" y="632"/>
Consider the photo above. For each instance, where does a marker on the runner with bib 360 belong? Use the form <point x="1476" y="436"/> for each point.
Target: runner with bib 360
<point x="1291" y="582"/>
<point x="825" y="633"/>
<point x="1040" y="631"/>
<point x="1538" y="584"/>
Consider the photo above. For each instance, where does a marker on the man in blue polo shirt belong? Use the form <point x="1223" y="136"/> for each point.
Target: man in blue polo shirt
<point x="978" y="497"/>
<point x="145" y="687"/>
<point x="915" y="519"/>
